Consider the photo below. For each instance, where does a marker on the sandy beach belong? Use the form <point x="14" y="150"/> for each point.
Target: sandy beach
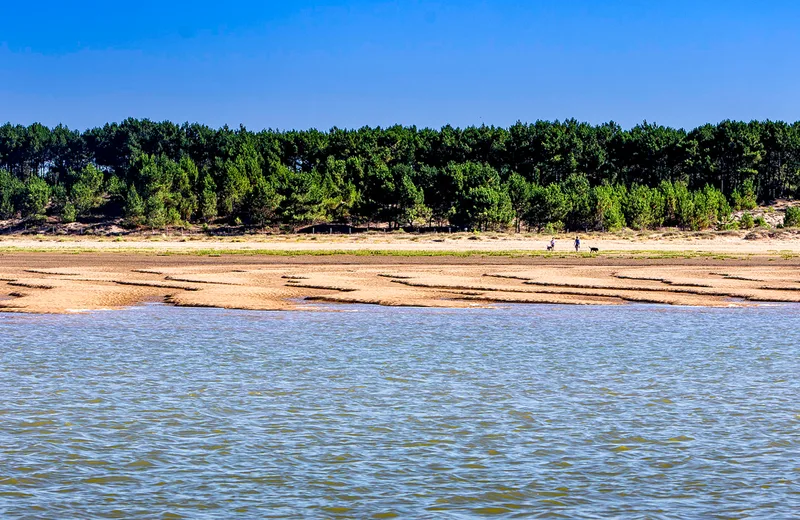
<point x="47" y="275"/>
<point x="757" y="242"/>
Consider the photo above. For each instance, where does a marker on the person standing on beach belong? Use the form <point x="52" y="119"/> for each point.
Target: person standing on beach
<point x="577" y="244"/>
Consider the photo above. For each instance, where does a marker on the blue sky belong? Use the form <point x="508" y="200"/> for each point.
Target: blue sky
<point x="302" y="64"/>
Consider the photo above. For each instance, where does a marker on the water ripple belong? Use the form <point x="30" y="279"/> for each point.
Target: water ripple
<point x="635" y="411"/>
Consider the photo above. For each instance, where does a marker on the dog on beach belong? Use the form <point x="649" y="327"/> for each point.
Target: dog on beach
<point x="594" y="250"/>
<point x="549" y="248"/>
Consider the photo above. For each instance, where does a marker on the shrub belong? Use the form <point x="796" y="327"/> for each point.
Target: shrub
<point x="10" y="191"/>
<point x="262" y="202"/>
<point x="116" y="188"/>
<point x="58" y="198"/>
<point x="792" y="218"/>
<point x="69" y="213"/>
<point x="761" y="222"/>
<point x="173" y="217"/>
<point x="134" y="206"/>
<point x="640" y="207"/>
<point x="553" y="228"/>
<point x="86" y="192"/>
<point x="36" y="195"/>
<point x="155" y="212"/>
<point x="710" y="209"/>
<point x="208" y="198"/>
<point x="746" y="222"/>
<point x="746" y="197"/>
<point x="547" y="205"/>
<point x="729" y="226"/>
<point x="608" y="207"/>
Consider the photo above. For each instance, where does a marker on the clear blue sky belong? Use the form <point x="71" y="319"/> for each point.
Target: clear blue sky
<point x="300" y="64"/>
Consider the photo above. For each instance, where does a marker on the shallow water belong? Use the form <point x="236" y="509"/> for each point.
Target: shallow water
<point x="633" y="411"/>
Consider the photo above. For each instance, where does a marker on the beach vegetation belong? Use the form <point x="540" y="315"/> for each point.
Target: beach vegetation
<point x="792" y="218"/>
<point x="559" y="175"/>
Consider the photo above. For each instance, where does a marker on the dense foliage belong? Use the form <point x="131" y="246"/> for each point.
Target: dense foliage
<point x="546" y="175"/>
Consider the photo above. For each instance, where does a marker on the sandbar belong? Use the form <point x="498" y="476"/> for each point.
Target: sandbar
<point x="279" y="274"/>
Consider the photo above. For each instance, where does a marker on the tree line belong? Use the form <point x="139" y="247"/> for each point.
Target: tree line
<point x="545" y="175"/>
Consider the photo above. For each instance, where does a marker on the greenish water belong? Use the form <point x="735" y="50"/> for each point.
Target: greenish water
<point x="540" y="411"/>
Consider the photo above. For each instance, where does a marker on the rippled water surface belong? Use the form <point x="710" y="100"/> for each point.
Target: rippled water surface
<point x="635" y="411"/>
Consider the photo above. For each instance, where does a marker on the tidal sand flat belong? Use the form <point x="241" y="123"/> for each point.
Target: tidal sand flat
<point x="640" y="411"/>
<point x="84" y="276"/>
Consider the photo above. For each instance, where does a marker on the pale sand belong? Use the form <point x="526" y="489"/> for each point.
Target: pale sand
<point x="52" y="276"/>
<point x="709" y="242"/>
